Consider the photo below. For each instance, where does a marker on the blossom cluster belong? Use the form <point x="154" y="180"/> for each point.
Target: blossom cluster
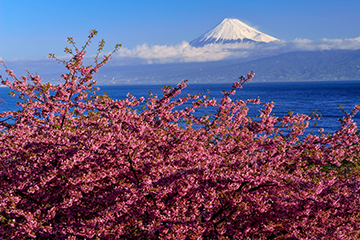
<point x="75" y="164"/>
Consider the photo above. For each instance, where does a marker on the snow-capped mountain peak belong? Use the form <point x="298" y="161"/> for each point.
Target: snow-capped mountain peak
<point x="231" y="30"/>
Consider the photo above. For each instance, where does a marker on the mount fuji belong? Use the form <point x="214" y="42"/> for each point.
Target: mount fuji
<point x="231" y="30"/>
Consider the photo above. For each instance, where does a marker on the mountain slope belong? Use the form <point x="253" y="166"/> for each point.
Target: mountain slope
<point x="292" y="66"/>
<point x="231" y="31"/>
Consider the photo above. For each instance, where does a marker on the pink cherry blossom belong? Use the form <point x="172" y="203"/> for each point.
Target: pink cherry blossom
<point x="77" y="166"/>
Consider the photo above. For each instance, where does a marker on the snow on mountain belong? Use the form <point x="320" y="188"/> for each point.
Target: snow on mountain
<point x="230" y="31"/>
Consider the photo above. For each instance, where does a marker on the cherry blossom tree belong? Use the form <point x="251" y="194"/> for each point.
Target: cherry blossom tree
<point x="76" y="164"/>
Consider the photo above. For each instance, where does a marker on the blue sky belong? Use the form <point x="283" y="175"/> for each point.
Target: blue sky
<point x="32" y="29"/>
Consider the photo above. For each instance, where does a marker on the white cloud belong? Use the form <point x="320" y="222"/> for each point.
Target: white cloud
<point x="183" y="52"/>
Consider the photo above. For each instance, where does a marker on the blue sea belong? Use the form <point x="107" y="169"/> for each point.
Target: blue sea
<point x="299" y="97"/>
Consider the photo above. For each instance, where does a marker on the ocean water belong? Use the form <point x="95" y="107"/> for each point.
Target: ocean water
<point x="299" y="97"/>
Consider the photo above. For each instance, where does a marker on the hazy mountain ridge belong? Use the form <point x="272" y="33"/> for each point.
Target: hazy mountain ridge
<point x="292" y="66"/>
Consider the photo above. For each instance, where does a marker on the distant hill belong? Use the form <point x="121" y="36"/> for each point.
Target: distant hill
<point x="292" y="66"/>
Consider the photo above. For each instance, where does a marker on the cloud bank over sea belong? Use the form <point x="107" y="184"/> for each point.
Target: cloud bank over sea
<point x="184" y="52"/>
